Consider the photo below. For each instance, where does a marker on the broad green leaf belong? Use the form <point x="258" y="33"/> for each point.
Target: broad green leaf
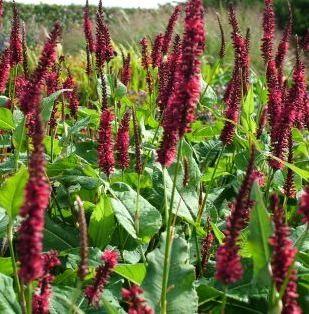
<point x="135" y="273"/>
<point x="206" y="293"/>
<point x="218" y="233"/>
<point x="12" y="192"/>
<point x="59" y="237"/>
<point x="125" y="208"/>
<point x="19" y="136"/>
<point x="247" y="111"/>
<point x="6" y="120"/>
<point x="102" y="223"/>
<point x="209" y="174"/>
<point x="8" y="300"/>
<point x="48" y="104"/>
<point x="259" y="232"/>
<point x="181" y="293"/>
<point x="6" y="266"/>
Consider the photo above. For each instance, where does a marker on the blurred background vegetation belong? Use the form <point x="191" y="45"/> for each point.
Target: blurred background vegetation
<point x="128" y="26"/>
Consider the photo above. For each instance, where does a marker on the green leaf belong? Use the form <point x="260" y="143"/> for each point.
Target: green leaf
<point x="102" y="223"/>
<point x="48" y="104"/>
<point x="4" y="221"/>
<point x="247" y="112"/>
<point x="125" y="208"/>
<point x="217" y="232"/>
<point x="135" y="273"/>
<point x="6" y="120"/>
<point x="181" y="293"/>
<point x="8" y="300"/>
<point x="6" y="266"/>
<point x="259" y="232"/>
<point x="12" y="192"/>
<point x="59" y="237"/>
<point x="19" y="136"/>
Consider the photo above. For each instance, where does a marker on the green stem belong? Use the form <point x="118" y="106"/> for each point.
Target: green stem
<point x="29" y="298"/>
<point x="52" y="134"/>
<point x="137" y="212"/>
<point x="17" y="150"/>
<point x="12" y="253"/>
<point x="201" y="210"/>
<point x="165" y="196"/>
<point x="271" y="177"/>
<point x="224" y="301"/>
<point x="168" y="244"/>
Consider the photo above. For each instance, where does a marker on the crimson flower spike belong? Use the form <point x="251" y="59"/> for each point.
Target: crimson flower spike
<point x="268" y="31"/>
<point x="146" y="62"/>
<point x="170" y="29"/>
<point x="228" y="267"/>
<point x="156" y="53"/>
<point x="43" y="293"/>
<point x="123" y="142"/>
<point x="283" y="257"/>
<point x="292" y="113"/>
<point x="106" y="145"/>
<point x="93" y="292"/>
<point x="5" y="67"/>
<point x="180" y="110"/>
<point x="16" y="38"/>
<point x="1" y="10"/>
<point x="37" y="194"/>
<point x="46" y="61"/>
<point x="88" y="28"/>
<point x="167" y="72"/>
<point x="72" y="96"/>
<point x="283" y="47"/>
<point x="136" y="303"/>
<point x="126" y="70"/>
<point x="223" y="42"/>
<point x="289" y="186"/>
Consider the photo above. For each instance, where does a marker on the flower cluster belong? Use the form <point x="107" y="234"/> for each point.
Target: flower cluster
<point x="42" y="295"/>
<point x="180" y="110"/>
<point x="104" y="49"/>
<point x="5" y="67"/>
<point x="126" y="71"/>
<point x="167" y="72"/>
<point x="156" y="53"/>
<point x="94" y="292"/>
<point x="283" y="257"/>
<point x="106" y="145"/>
<point x="72" y="96"/>
<point x="33" y="210"/>
<point x="289" y="187"/>
<point x="135" y="302"/>
<point x="16" y="47"/>
<point x="88" y="29"/>
<point x="123" y="142"/>
<point x="228" y="266"/>
<point x="269" y="31"/>
<point x="146" y="60"/>
<point x="239" y="81"/>
<point x="170" y="29"/>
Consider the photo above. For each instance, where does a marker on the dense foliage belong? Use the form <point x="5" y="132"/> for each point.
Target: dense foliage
<point x="164" y="178"/>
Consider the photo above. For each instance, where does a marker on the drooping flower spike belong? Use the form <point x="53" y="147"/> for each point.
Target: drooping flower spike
<point x="93" y="292"/>
<point x="304" y="205"/>
<point x="88" y="29"/>
<point x="268" y="31"/>
<point x="283" y="257"/>
<point x="42" y="296"/>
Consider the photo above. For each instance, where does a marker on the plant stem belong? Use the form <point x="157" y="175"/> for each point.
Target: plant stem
<point x="52" y="134"/>
<point x="137" y="212"/>
<point x="12" y="253"/>
<point x="17" y="150"/>
<point x="165" y="197"/>
<point x="29" y="298"/>
<point x="224" y="301"/>
<point x="201" y="209"/>
<point x="168" y="244"/>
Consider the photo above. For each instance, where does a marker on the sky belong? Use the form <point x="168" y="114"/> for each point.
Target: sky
<point x="107" y="3"/>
